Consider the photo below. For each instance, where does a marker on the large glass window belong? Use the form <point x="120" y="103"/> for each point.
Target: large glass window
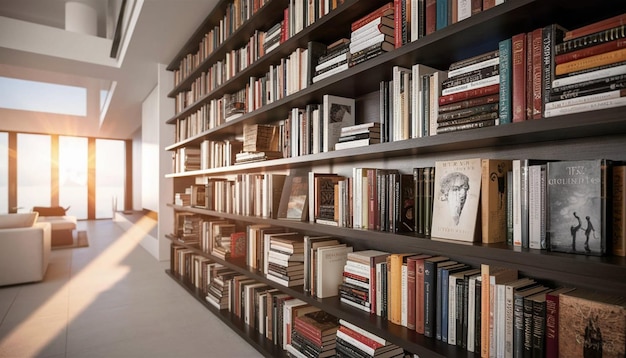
<point x="73" y="160"/>
<point x="33" y="171"/>
<point x="110" y="177"/>
<point x="4" y="173"/>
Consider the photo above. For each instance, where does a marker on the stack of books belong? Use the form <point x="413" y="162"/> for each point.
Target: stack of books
<point x="191" y="229"/>
<point x="272" y="37"/>
<point x="335" y="60"/>
<point x="356" y="288"/>
<point x="217" y="294"/>
<point x="285" y="260"/>
<point x="313" y="335"/>
<point x="359" y="135"/>
<point x="353" y="341"/>
<point x="234" y="105"/>
<point x="260" y="142"/>
<point x="221" y="239"/>
<point x="590" y="68"/>
<point x="372" y="34"/>
<point x="470" y="96"/>
<point x="187" y="159"/>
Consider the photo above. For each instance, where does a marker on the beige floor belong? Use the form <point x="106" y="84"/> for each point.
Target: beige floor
<point x="111" y="299"/>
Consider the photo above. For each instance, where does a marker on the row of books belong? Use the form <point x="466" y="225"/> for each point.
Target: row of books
<point x="210" y="154"/>
<point x="236" y="13"/>
<point x="487" y="309"/>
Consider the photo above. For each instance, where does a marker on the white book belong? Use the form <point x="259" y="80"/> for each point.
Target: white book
<point x="356" y="143"/>
<point x="476" y="66"/>
<point x="404" y="296"/>
<point x="401" y="77"/>
<point x="332" y="61"/>
<point x="380" y="271"/>
<point x="296" y="353"/>
<point x="330" y="263"/>
<point x="417" y="103"/>
<point x="586" y="99"/>
<point x="585" y="107"/>
<point x="369" y="42"/>
<point x="471" y="312"/>
<point x="358" y="269"/>
<point x="363" y="332"/>
<point x="464" y="9"/>
<point x="329" y="73"/>
<point x="607" y="72"/>
<point x="536" y="208"/>
<point x="435" y="91"/>
<point x="517" y="203"/>
<point x="472" y="85"/>
<point x="287" y="321"/>
<point x="355" y="342"/>
<point x="415" y="19"/>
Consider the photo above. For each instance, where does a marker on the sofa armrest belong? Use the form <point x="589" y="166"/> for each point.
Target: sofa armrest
<point x="24" y="253"/>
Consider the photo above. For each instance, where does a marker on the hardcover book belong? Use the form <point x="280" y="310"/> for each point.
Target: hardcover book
<point x="578" y="206"/>
<point x="338" y="112"/>
<point x="591" y="325"/>
<point x="294" y="199"/>
<point x="455" y="208"/>
<point x="494" y="199"/>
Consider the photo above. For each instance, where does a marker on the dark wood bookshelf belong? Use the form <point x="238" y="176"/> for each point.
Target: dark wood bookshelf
<point x="253" y="337"/>
<point x="585" y="135"/>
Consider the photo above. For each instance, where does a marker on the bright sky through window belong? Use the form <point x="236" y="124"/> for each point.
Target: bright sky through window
<point x="42" y="97"/>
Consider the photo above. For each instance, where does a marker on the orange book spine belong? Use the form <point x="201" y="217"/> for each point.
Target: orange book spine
<point x="590" y="62"/>
<point x="596" y="27"/>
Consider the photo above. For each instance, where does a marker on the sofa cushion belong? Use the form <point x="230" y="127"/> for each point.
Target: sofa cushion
<point x="50" y="210"/>
<point x="8" y="221"/>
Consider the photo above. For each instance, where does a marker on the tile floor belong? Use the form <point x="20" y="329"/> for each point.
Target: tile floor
<point x="111" y="299"/>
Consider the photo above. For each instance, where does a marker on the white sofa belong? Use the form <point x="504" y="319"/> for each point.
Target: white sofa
<point x="25" y="246"/>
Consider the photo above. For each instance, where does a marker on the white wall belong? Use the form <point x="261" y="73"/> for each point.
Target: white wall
<point x="156" y="190"/>
<point x="136" y="170"/>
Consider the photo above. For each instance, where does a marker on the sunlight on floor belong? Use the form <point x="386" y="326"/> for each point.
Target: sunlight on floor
<point x="110" y="271"/>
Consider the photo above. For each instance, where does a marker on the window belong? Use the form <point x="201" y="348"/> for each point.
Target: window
<point x="73" y="170"/>
<point x="33" y="171"/>
<point x="110" y="177"/>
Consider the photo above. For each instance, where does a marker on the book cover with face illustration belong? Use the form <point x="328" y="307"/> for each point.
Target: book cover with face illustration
<point x="456" y="199"/>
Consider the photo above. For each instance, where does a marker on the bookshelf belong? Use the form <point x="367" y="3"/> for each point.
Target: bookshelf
<point x="578" y="136"/>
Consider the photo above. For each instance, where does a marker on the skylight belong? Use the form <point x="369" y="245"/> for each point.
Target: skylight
<point x="42" y="97"/>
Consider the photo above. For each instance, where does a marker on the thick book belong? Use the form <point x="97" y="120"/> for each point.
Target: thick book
<point x="518" y="77"/>
<point x="494" y="199"/>
<point x="579" y="205"/>
<point x="330" y="263"/>
<point x="455" y="208"/>
<point x="591" y="324"/>
<point x="490" y="277"/>
<point x="385" y="10"/>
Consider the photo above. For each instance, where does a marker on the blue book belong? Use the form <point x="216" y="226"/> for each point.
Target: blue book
<point x="505" y="68"/>
<point x="442" y="14"/>
<point x="442" y="304"/>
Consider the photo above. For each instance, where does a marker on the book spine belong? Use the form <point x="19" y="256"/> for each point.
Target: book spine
<point x="466" y="126"/>
<point x="488" y="81"/>
<point x="538" y="332"/>
<point x="527" y="345"/>
<point x="465" y="95"/>
<point x="398" y="22"/>
<point x="430" y="282"/>
<point x="468" y="112"/>
<point x="591" y="95"/>
<point x="473" y="102"/>
<point x="608" y="35"/>
<point x="591" y="51"/>
<point x="474" y="60"/>
<point x="619" y="210"/>
<point x="596" y="27"/>
<point x="537" y="66"/>
<point x="585" y="107"/>
<point x="372" y="16"/>
<point x="505" y="67"/>
<point x="490" y="61"/>
<point x="442" y="14"/>
<point x="411" y="290"/>
<point x="518" y="329"/>
<point x="591" y="62"/>
<point x="471" y="76"/>
<point x="431" y="16"/>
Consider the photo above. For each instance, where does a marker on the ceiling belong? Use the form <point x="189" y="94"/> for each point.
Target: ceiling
<point x="34" y="45"/>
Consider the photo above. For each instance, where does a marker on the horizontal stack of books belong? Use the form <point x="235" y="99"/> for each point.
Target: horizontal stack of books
<point x="470" y="97"/>
<point x="313" y="335"/>
<point x="218" y="293"/>
<point x="359" y="135"/>
<point x="285" y="260"/>
<point x="353" y="341"/>
<point x="372" y="34"/>
<point x="273" y="37"/>
<point x="590" y="68"/>
<point x="335" y="60"/>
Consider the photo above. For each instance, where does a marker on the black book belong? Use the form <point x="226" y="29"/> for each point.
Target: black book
<point x="430" y="294"/>
<point x="315" y="51"/>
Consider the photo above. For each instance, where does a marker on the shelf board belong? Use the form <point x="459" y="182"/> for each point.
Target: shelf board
<point x="253" y="337"/>
<point x="601" y="273"/>
<point x="605" y="122"/>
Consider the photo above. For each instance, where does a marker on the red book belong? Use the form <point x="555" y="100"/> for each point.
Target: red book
<point x="596" y="27"/>
<point x="529" y="75"/>
<point x="373" y="221"/>
<point x="488" y="4"/>
<point x="238" y="244"/>
<point x="431" y="16"/>
<point x="590" y="51"/>
<point x="412" y="289"/>
<point x="398" y="21"/>
<point x="419" y="294"/>
<point x="385" y="10"/>
<point x="355" y="277"/>
<point x="477" y="6"/>
<point x="465" y="95"/>
<point x="284" y="35"/>
<point x="519" y="77"/>
<point x="552" y="321"/>
<point x="361" y="338"/>
<point x="537" y="65"/>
